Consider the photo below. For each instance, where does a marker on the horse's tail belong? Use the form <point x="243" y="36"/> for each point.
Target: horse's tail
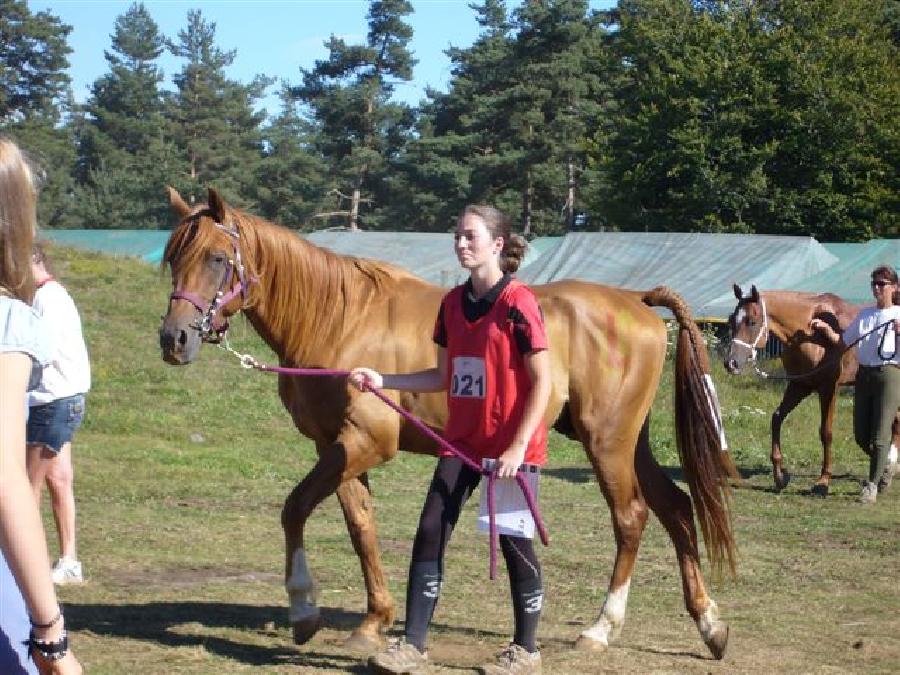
<point x="706" y="466"/>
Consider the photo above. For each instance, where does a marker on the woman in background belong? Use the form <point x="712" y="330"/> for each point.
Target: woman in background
<point x="876" y="395"/>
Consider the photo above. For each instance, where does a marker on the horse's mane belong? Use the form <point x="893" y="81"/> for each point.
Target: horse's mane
<point x="300" y="278"/>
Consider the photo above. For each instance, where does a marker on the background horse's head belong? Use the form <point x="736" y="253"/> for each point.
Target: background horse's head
<point x="748" y="328"/>
<point x="209" y="279"/>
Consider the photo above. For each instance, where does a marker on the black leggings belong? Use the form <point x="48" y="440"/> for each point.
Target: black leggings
<point x="452" y="485"/>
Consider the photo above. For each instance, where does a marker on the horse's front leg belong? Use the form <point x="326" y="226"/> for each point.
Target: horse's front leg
<point x="340" y="466"/>
<point x="792" y="396"/>
<point x="320" y="482"/>
<point x="359" y="513"/>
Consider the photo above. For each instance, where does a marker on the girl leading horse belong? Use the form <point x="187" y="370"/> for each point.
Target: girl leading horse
<point x="318" y="309"/>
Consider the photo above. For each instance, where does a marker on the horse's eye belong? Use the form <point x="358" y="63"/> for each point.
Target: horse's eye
<point x="218" y="258"/>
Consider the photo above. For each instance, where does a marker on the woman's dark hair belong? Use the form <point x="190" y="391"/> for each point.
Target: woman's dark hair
<point x="889" y="274"/>
<point x="499" y="225"/>
<point x="885" y="272"/>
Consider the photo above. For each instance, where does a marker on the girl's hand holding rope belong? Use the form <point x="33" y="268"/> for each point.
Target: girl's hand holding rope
<point x="509" y="462"/>
<point x="365" y="379"/>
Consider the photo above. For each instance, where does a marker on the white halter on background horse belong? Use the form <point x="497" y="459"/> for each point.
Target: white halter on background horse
<point x="318" y="309"/>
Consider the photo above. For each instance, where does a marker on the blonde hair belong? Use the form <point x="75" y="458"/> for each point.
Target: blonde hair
<point x="18" y="220"/>
<point x="499" y="225"/>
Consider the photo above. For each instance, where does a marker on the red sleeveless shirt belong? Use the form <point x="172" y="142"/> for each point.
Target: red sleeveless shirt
<point x="487" y="382"/>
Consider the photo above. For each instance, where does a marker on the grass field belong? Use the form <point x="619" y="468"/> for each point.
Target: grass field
<point x="181" y="474"/>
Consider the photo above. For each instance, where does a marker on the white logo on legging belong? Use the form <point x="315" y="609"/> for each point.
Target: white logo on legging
<point x="432" y="588"/>
<point x="534" y="603"/>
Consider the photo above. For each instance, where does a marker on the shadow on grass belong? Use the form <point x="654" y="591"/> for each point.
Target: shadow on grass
<point x="580" y="475"/>
<point x="576" y="475"/>
<point x="175" y="624"/>
<point x="168" y="624"/>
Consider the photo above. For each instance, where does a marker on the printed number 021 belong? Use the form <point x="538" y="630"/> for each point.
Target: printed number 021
<point x="467" y="385"/>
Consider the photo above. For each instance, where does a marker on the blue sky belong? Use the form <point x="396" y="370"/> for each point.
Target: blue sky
<point x="272" y="37"/>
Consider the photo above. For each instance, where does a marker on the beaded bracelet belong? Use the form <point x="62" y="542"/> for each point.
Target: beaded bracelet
<point x="49" y="624"/>
<point x="52" y="651"/>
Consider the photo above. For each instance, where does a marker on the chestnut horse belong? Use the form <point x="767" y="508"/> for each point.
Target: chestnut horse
<point x="315" y="308"/>
<point x="811" y="363"/>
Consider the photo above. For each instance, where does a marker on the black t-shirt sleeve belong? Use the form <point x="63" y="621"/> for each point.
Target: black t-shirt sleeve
<point x="440" y="329"/>
<point x="527" y="321"/>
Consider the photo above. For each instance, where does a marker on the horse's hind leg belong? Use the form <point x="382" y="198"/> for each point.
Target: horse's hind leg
<point x="359" y="513"/>
<point x="827" y="404"/>
<point x="618" y="482"/>
<point x="673" y="508"/>
<point x="792" y="396"/>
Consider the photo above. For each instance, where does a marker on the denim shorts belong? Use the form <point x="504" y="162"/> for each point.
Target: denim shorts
<point x="53" y="424"/>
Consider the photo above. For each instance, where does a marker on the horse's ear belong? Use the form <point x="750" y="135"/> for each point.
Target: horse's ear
<point x="216" y="205"/>
<point x="177" y="203"/>
<point x="754" y="294"/>
<point x="737" y="292"/>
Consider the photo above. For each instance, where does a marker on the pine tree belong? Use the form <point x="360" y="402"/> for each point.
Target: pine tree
<point x="511" y="129"/>
<point x="557" y="98"/>
<point x="35" y="99"/>
<point x="125" y="156"/>
<point x="349" y="96"/>
<point x="292" y="178"/>
<point x="462" y="150"/>
<point x="213" y="121"/>
<point x="33" y="62"/>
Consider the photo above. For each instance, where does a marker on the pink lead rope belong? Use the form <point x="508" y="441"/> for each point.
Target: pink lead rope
<point x="249" y="362"/>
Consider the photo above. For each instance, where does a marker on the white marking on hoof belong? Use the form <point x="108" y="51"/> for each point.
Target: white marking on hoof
<point x="301" y="589"/>
<point x="713" y="631"/>
<point x="612" y="617"/>
<point x="892" y="454"/>
<point x="709" y="622"/>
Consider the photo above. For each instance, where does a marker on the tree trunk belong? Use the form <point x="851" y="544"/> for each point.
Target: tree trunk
<point x="570" y="197"/>
<point x="354" y="209"/>
<point x="526" y="205"/>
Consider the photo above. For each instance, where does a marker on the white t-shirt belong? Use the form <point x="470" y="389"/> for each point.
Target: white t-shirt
<point x="69" y="370"/>
<point x="879" y="347"/>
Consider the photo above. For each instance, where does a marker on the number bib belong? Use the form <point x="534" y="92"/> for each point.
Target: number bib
<point x="468" y="377"/>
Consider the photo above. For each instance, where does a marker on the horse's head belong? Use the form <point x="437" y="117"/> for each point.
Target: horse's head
<point x="209" y="279"/>
<point x="749" y="329"/>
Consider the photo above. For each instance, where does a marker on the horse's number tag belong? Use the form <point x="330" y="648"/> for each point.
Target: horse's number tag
<point x="468" y="377"/>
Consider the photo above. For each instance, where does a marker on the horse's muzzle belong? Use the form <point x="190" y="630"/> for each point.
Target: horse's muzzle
<point x="178" y="345"/>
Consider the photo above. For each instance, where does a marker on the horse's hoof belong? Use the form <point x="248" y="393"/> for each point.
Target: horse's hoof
<point x="586" y="644"/>
<point x="819" y="490"/>
<point x="304" y="629"/>
<point x="717" y="640"/>
<point x="364" y="643"/>
<point x="782" y="481"/>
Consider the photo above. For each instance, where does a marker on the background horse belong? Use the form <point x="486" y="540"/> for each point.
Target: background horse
<point x="811" y="363"/>
<point x="318" y="309"/>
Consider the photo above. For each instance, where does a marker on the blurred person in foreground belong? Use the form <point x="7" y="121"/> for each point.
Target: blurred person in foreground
<point x="32" y="627"/>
